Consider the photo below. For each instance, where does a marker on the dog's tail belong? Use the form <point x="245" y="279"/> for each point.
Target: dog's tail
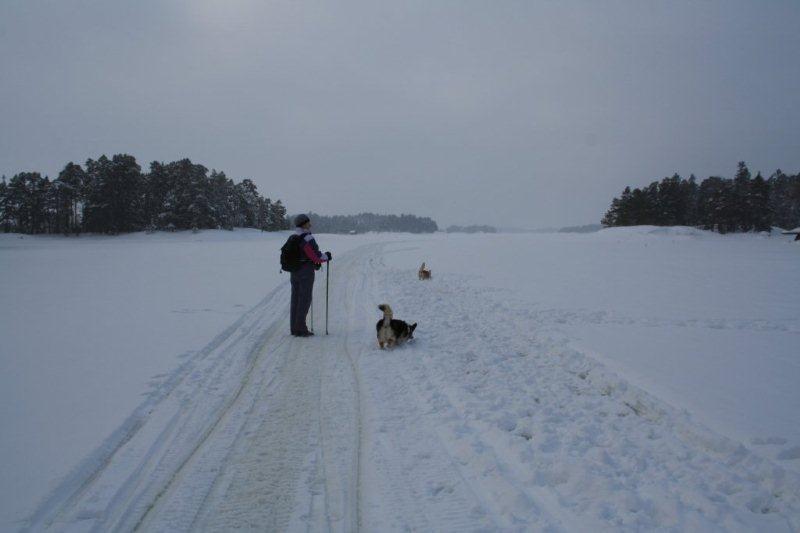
<point x="387" y="313"/>
<point x="422" y="267"/>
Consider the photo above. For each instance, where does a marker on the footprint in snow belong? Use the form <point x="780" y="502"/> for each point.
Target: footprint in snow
<point x="790" y="454"/>
<point x="769" y="441"/>
<point x="439" y="488"/>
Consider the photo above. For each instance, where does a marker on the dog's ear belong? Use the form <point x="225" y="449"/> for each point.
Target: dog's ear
<point x="413" y="327"/>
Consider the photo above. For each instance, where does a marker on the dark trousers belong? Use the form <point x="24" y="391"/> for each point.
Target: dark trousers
<point x="302" y="290"/>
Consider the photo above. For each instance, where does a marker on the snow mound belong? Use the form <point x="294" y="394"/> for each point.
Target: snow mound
<point x="660" y="231"/>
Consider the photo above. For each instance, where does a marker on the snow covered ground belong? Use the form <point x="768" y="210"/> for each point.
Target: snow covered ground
<point x="634" y="378"/>
<point x="89" y="326"/>
<point x="710" y="323"/>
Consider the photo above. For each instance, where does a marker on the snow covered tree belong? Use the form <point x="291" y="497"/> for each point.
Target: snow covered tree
<point x="278" y="219"/>
<point x="740" y="216"/>
<point x="713" y="204"/>
<point x="26" y="202"/>
<point x="372" y="222"/>
<point x="670" y="202"/>
<point x="5" y="221"/>
<point x="247" y="203"/>
<point x="784" y="199"/>
<point x="113" y="195"/>
<point x="725" y="205"/>
<point x="192" y="207"/>
<point x="67" y="193"/>
<point x="612" y="216"/>
<point x="687" y="214"/>
<point x="221" y="193"/>
<point x="758" y="204"/>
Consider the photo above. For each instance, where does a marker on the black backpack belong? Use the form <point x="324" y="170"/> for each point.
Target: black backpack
<point x="290" y="254"/>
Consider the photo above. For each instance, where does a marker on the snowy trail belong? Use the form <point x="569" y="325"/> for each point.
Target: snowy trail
<point x="115" y="487"/>
<point x="285" y="441"/>
<point x="231" y="439"/>
<point x="488" y="421"/>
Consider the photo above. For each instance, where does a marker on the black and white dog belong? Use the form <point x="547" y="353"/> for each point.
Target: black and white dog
<point x="392" y="332"/>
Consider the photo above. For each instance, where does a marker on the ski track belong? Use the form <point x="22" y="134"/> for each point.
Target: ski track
<point x="474" y="426"/>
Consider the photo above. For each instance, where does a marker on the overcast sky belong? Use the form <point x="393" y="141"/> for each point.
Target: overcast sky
<point x="523" y="114"/>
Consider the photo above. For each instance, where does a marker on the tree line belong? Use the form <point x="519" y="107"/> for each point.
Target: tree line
<point x="364" y="222"/>
<point x="475" y="228"/>
<point x="115" y="196"/>
<point x="744" y="203"/>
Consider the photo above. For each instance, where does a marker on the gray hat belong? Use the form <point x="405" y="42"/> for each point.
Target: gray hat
<point x="301" y="220"/>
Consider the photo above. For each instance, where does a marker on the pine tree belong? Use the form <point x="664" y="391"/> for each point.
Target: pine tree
<point x="155" y="188"/>
<point x="724" y="205"/>
<point x="264" y="209"/>
<point x="611" y="217"/>
<point x="14" y="204"/>
<point x="247" y="196"/>
<point x="710" y="204"/>
<point x="221" y="192"/>
<point x="114" y="195"/>
<point x="625" y="217"/>
<point x="26" y="202"/>
<point x="670" y="202"/>
<point x="53" y="214"/>
<point x="278" y="220"/>
<point x="759" y="204"/>
<point x="195" y="205"/>
<point x="785" y="199"/>
<point x="67" y="196"/>
<point x="689" y="190"/>
<point x="5" y="219"/>
<point x="794" y="201"/>
<point x="741" y="215"/>
<point x="38" y="189"/>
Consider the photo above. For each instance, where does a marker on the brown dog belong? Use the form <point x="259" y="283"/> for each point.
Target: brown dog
<point x="424" y="273"/>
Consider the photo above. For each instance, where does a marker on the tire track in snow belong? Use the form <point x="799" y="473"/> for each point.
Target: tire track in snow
<point x="270" y="432"/>
<point x="263" y="480"/>
<point x="180" y="504"/>
<point x="136" y="511"/>
<point x="168" y="470"/>
<point x="103" y="487"/>
<point x="289" y="443"/>
<point x="341" y="437"/>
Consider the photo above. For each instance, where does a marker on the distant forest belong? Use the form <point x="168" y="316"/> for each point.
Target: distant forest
<point x="586" y="228"/>
<point x="364" y="222"/>
<point x="114" y="196"/>
<point x="724" y="205"/>
<point x="471" y="229"/>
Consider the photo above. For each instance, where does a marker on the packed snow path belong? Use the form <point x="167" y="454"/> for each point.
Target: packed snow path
<point x="485" y="422"/>
<point x="247" y="434"/>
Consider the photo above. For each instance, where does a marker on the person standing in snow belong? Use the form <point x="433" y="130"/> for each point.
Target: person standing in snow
<point x="303" y="279"/>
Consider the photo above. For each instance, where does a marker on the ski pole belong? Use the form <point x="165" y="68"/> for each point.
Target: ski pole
<point x="327" y="284"/>
<point x="312" y="310"/>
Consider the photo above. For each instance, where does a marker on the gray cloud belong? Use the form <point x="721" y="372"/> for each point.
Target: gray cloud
<point x="511" y="113"/>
